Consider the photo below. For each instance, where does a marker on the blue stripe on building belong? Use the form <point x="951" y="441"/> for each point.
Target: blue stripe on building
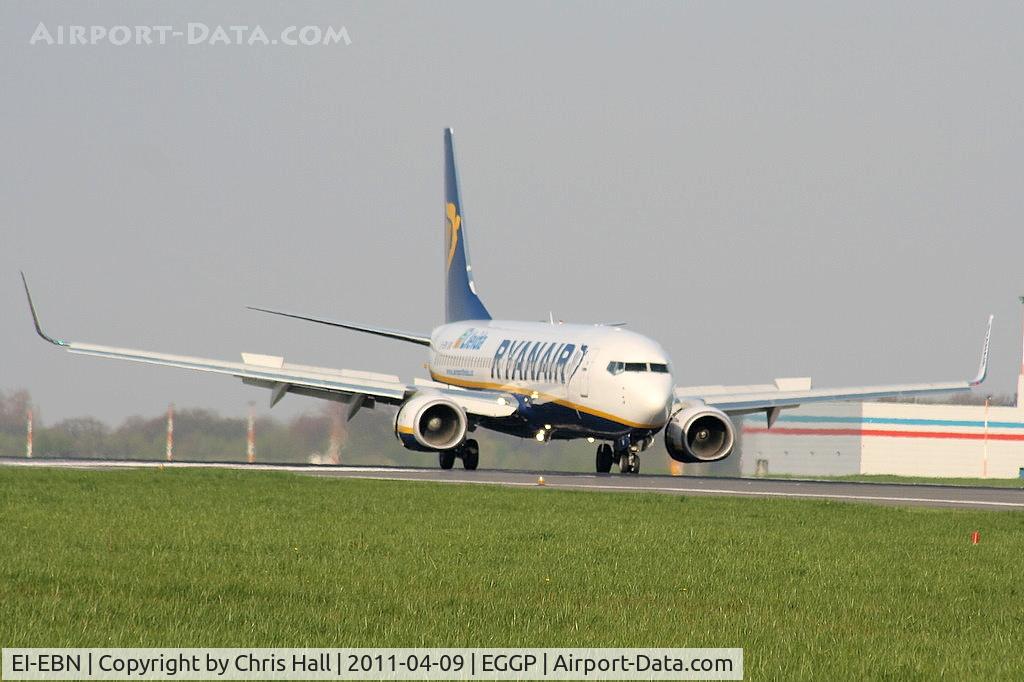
<point x="813" y="419"/>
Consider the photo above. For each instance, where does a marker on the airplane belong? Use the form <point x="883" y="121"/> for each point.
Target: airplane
<point x="541" y="380"/>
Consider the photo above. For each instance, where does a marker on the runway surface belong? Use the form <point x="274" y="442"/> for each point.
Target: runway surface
<point x="908" y="494"/>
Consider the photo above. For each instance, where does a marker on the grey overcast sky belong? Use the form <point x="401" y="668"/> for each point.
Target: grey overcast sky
<point x="769" y="189"/>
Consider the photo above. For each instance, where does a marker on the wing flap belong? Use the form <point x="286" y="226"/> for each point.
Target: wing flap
<point x="790" y="392"/>
<point x="737" y="403"/>
<point x="780" y="384"/>
<point x="383" y="387"/>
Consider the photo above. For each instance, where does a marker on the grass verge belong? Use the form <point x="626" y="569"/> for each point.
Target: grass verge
<point x="919" y="480"/>
<point x="223" y="558"/>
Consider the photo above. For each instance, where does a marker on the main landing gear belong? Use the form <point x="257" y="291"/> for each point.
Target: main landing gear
<point x="468" y="452"/>
<point x="626" y="455"/>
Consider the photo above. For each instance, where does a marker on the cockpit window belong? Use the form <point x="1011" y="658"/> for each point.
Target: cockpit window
<point x="616" y="367"/>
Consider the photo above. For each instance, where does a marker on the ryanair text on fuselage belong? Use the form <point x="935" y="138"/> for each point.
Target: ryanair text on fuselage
<point x="535" y="361"/>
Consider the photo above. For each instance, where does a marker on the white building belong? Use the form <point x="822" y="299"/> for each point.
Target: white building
<point x="886" y="438"/>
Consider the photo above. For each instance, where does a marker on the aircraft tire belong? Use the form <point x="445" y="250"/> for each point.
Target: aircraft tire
<point x="603" y="461"/>
<point x="629" y="464"/>
<point x="470" y="455"/>
<point x="446" y="458"/>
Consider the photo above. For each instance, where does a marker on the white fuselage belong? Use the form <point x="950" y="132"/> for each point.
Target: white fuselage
<point x="571" y="380"/>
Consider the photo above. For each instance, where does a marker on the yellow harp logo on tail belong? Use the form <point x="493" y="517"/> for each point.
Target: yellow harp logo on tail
<point x="454" y="222"/>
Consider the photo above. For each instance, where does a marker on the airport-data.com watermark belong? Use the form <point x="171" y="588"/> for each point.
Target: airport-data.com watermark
<point x="192" y="33"/>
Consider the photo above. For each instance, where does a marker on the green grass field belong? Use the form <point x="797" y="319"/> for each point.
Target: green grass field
<point x="216" y="558"/>
<point x="920" y="480"/>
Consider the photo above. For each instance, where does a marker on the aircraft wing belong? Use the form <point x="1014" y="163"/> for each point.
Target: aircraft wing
<point x="356" y="388"/>
<point x="785" y="393"/>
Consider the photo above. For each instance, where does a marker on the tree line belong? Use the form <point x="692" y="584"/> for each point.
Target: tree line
<point x="320" y="436"/>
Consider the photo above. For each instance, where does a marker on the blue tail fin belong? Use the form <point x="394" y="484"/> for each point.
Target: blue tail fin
<point x="461" y="301"/>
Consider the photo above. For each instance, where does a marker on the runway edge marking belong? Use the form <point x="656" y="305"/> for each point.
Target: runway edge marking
<point x="701" y="491"/>
<point x="408" y="474"/>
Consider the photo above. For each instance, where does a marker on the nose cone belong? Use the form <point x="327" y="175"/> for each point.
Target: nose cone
<point x="650" y="398"/>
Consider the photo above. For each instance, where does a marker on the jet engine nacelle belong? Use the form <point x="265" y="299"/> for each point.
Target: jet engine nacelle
<point x="430" y="423"/>
<point x="699" y="434"/>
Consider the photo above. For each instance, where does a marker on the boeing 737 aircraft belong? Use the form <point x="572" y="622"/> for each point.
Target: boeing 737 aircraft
<point x="528" y="379"/>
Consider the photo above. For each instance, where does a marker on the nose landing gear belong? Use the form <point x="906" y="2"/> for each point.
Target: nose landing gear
<point x="625" y="453"/>
<point x="629" y="463"/>
<point x="627" y="459"/>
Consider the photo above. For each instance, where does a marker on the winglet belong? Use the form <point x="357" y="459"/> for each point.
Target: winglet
<point x="983" y="367"/>
<point x="35" y="317"/>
